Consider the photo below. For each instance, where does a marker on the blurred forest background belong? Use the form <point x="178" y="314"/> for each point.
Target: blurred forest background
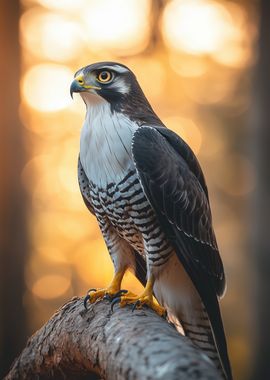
<point x="198" y="62"/>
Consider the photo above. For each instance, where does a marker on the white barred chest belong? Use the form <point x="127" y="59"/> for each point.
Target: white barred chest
<point x="125" y="207"/>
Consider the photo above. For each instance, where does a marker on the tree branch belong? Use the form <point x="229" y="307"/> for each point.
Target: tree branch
<point x="77" y="343"/>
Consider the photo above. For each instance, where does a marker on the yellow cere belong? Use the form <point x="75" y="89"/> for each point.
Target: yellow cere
<point x="81" y="81"/>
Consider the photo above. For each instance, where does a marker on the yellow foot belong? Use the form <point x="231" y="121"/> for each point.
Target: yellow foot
<point x="138" y="302"/>
<point x="95" y="294"/>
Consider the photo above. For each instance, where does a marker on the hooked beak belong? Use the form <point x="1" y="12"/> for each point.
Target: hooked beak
<point x="79" y="85"/>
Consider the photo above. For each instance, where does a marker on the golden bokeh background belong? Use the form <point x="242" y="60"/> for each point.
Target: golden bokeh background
<point x="193" y="60"/>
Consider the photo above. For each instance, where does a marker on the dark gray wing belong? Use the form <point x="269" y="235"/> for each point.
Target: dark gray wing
<point x="186" y="153"/>
<point x="84" y="187"/>
<point x="174" y="185"/>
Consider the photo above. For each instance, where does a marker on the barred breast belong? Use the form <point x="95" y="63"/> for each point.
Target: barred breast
<point x="125" y="206"/>
<point x="112" y="184"/>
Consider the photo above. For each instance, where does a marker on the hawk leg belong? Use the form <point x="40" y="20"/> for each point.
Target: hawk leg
<point x="146" y="298"/>
<point x="108" y="293"/>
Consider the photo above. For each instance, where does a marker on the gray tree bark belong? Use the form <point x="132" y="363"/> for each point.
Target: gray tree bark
<point x="96" y="343"/>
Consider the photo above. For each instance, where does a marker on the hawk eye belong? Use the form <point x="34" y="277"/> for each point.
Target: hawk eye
<point x="104" y="76"/>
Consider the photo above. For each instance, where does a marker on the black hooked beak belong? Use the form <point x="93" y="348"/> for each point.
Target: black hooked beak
<point x="79" y="85"/>
<point x="75" y="87"/>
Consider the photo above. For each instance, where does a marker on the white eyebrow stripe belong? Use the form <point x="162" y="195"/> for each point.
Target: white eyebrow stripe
<point x="118" y="68"/>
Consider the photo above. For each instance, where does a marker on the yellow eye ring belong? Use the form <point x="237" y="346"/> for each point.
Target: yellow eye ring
<point x="104" y="76"/>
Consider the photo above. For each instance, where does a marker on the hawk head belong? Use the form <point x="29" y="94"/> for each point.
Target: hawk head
<point x="116" y="84"/>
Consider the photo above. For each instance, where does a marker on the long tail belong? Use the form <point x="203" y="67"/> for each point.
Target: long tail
<point x="199" y="330"/>
<point x="175" y="291"/>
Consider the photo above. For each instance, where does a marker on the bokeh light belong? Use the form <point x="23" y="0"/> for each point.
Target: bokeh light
<point x="64" y="5"/>
<point x="119" y="25"/>
<point x="45" y="87"/>
<point x="206" y="27"/>
<point x="51" y="286"/>
<point x="51" y="36"/>
<point x="196" y="26"/>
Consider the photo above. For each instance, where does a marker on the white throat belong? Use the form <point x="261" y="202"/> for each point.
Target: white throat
<point x="105" y="146"/>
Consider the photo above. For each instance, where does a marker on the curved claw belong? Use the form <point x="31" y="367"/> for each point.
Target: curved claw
<point x="86" y="298"/>
<point x="92" y="290"/>
<point x="114" y="302"/>
<point x="120" y="293"/>
<point x="107" y="297"/>
<point x="137" y="303"/>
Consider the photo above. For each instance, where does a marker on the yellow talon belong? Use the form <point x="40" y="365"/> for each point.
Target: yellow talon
<point x="139" y="301"/>
<point x="99" y="294"/>
<point x="146" y="298"/>
<point x="93" y="295"/>
<point x="124" y="297"/>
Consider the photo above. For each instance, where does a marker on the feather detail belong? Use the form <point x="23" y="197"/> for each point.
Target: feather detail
<point x="185" y="218"/>
<point x="105" y="147"/>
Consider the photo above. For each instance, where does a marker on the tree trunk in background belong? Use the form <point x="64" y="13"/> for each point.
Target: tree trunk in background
<point x="13" y="239"/>
<point x="260" y="226"/>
